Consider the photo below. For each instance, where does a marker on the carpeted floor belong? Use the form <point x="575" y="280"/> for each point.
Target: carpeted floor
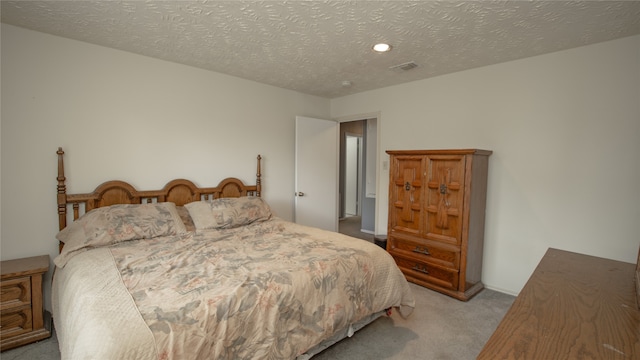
<point x="351" y="226"/>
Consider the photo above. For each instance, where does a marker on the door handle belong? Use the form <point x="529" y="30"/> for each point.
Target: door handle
<point x="300" y="193"/>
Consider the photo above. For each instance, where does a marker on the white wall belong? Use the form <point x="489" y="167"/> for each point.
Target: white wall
<point x="123" y="116"/>
<point x="565" y="131"/>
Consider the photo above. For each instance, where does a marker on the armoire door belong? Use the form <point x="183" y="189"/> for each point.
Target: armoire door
<point x="406" y="191"/>
<point x="445" y="198"/>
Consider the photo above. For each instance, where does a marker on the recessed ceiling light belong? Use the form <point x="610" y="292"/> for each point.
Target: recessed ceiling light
<point x="382" y="47"/>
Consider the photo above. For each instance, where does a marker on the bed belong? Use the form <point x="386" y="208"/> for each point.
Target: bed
<point x="188" y="272"/>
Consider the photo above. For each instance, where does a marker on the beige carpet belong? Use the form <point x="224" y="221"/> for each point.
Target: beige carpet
<point x="351" y="226"/>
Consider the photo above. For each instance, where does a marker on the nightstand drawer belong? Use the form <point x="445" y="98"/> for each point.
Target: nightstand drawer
<point x="15" y="293"/>
<point x="16" y="321"/>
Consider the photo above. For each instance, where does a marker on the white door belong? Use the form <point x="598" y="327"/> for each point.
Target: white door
<point x="316" y="173"/>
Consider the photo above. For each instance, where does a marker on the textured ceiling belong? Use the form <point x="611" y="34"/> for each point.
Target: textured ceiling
<point x="315" y="46"/>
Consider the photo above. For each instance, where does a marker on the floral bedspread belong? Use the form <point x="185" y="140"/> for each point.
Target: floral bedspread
<point x="268" y="290"/>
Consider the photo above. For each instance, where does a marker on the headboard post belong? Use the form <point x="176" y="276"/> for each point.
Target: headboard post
<point x="258" y="176"/>
<point x="62" y="192"/>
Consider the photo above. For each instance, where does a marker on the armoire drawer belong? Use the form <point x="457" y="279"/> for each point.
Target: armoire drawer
<point x="423" y="271"/>
<point x="426" y="251"/>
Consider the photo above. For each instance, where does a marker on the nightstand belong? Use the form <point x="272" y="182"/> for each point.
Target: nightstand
<point x="21" y="306"/>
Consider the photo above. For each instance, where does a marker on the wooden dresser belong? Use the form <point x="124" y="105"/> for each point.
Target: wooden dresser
<point x="21" y="306"/>
<point x="573" y="307"/>
<point x="436" y="217"/>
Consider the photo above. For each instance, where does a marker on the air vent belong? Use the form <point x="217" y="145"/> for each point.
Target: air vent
<point x="404" y="67"/>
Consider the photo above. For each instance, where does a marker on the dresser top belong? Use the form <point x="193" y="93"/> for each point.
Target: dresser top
<point x="441" y="152"/>
<point x="25" y="266"/>
<point x="573" y="306"/>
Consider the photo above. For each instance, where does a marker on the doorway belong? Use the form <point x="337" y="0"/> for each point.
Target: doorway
<point x="357" y="180"/>
<point x="320" y="174"/>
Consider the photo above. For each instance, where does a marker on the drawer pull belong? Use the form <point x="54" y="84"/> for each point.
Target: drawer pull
<point x="420" y="268"/>
<point x="423" y="251"/>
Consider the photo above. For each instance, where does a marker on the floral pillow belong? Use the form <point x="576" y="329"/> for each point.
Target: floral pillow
<point x="117" y="223"/>
<point x="228" y="213"/>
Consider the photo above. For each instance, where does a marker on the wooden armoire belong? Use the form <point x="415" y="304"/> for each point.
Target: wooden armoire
<point x="436" y="217"/>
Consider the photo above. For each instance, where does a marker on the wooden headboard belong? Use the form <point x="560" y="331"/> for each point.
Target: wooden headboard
<point x="179" y="191"/>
